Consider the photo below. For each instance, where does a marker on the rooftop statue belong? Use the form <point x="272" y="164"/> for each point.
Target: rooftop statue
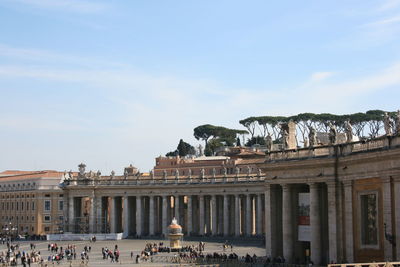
<point x="202" y="173"/>
<point x="387" y="124"/>
<point x="397" y="122"/>
<point x="332" y="134"/>
<point x="285" y="139"/>
<point x="312" y="136"/>
<point x="268" y="142"/>
<point x="82" y="167"/>
<point x="349" y="131"/>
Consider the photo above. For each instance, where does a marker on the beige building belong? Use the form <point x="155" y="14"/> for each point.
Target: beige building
<point x="32" y="201"/>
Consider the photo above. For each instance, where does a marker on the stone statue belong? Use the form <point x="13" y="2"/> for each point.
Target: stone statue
<point x="214" y="172"/>
<point x="165" y="174"/>
<point x="70" y="174"/>
<point x="176" y="174"/>
<point x="349" y="131"/>
<point x="98" y="174"/>
<point x="397" y="122"/>
<point x="202" y="174"/>
<point x="268" y="142"/>
<point x="225" y="171"/>
<point x="112" y="176"/>
<point x="248" y="171"/>
<point x="312" y="137"/>
<point x="200" y="147"/>
<point x="285" y="139"/>
<point x="259" y="173"/>
<point x="387" y="123"/>
<point x="125" y="173"/>
<point x="81" y="169"/>
<point x="152" y="174"/>
<point x="332" y="134"/>
<point x="190" y="173"/>
<point x="306" y="143"/>
<point x="237" y="171"/>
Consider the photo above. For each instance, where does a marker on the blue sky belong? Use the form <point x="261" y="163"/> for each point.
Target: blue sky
<point x="113" y="83"/>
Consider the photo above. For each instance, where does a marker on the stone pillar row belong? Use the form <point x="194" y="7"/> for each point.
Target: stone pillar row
<point x="198" y="214"/>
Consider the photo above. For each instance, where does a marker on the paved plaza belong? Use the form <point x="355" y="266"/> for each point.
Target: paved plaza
<point x="126" y="247"/>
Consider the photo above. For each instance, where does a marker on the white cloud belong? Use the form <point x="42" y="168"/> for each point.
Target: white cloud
<point x="389" y="5"/>
<point x="385" y="21"/>
<point x="320" y="76"/>
<point x="79" y="6"/>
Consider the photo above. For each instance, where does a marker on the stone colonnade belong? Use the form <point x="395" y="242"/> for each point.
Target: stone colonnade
<point x="234" y="214"/>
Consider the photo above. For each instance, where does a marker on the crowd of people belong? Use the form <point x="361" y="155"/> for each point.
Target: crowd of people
<point x="194" y="253"/>
<point x="13" y="254"/>
<point x="110" y="254"/>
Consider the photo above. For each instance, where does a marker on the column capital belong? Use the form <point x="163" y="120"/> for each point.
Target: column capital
<point x="386" y="179"/>
<point x="347" y="183"/>
<point x="285" y="187"/>
<point x="313" y="185"/>
<point x="330" y="183"/>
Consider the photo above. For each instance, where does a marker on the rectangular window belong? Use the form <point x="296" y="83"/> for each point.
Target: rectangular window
<point x="61" y="205"/>
<point x="27" y="206"/>
<point x="61" y="218"/>
<point x="22" y="205"/>
<point x="47" y="229"/>
<point x="369" y="219"/>
<point x="47" y="218"/>
<point x="33" y="205"/>
<point x="16" y="206"/>
<point x="47" y="205"/>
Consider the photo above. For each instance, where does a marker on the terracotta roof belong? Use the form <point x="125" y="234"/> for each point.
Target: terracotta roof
<point x="13" y="175"/>
<point x="250" y="161"/>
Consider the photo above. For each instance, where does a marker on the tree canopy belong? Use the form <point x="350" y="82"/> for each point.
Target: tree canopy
<point x="367" y="124"/>
<point x="182" y="150"/>
<point x="219" y="135"/>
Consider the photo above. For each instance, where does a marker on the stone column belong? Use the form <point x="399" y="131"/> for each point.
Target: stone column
<point x="348" y="206"/>
<point x="259" y="215"/>
<point x="126" y="216"/>
<point x="214" y="228"/>
<point x="138" y="215"/>
<point x="268" y="222"/>
<point x="397" y="214"/>
<point x="332" y="221"/>
<point x="151" y="216"/>
<point x="237" y="215"/>
<point x="176" y="206"/>
<point x="99" y="214"/>
<point x="189" y="215"/>
<point x="92" y="218"/>
<point x="113" y="217"/>
<point x="71" y="219"/>
<point x="226" y="215"/>
<point x="164" y="215"/>
<point x="387" y="217"/>
<point x="315" y="223"/>
<point x="248" y="215"/>
<point x="287" y="220"/>
<point x="201" y="214"/>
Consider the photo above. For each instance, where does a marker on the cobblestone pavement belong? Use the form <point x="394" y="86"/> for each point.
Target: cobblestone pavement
<point x="126" y="247"/>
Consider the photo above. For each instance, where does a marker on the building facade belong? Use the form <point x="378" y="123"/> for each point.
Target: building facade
<point x="32" y="202"/>
<point x="333" y="203"/>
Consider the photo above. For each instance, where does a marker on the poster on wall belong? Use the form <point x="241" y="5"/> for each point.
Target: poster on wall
<point x="304" y="217"/>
